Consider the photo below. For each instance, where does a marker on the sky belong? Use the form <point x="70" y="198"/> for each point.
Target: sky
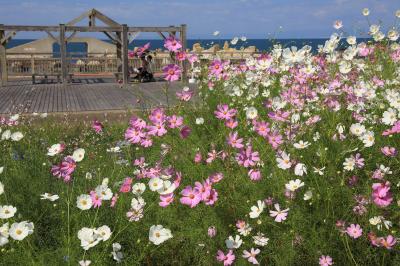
<point x="251" y="18"/>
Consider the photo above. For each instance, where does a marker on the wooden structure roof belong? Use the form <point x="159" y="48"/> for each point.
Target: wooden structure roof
<point x="120" y="34"/>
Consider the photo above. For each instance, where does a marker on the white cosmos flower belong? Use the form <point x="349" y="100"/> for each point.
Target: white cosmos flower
<point x="349" y="164"/>
<point x="300" y="169"/>
<point x="155" y="184"/>
<point x="1" y="169"/>
<point x="199" y="121"/>
<point x="344" y="67"/>
<point x="338" y="24"/>
<point x="117" y="254"/>
<point x="50" y="197"/>
<point x="374" y="29"/>
<point x="16" y="136"/>
<point x="55" y="149"/>
<point x="397" y="13"/>
<point x="319" y="171"/>
<point x="104" y="232"/>
<point x="234" y="40"/>
<point x="1" y="188"/>
<point x="365" y="11"/>
<point x="352" y="40"/>
<point x="85" y="262"/>
<point x="243" y="38"/>
<point x="368" y="138"/>
<point x="6" y="135"/>
<point x="4" y="234"/>
<point x="14" y="117"/>
<point x="308" y="195"/>
<point x="389" y="117"/>
<point x="138" y="189"/>
<point x="293" y="185"/>
<point x="357" y="129"/>
<point x="260" y="239"/>
<point x="78" y="155"/>
<point x="301" y="145"/>
<point x="158" y="234"/>
<point x="393" y="35"/>
<point x="251" y="113"/>
<point x="216" y="33"/>
<point x="284" y="161"/>
<point x="257" y="210"/>
<point x="233" y="243"/>
<point x="7" y="211"/>
<point x="104" y="192"/>
<point x="167" y="188"/>
<point x="84" y="202"/>
<point x="18" y="231"/>
<point x="138" y="203"/>
<point x="89" y="237"/>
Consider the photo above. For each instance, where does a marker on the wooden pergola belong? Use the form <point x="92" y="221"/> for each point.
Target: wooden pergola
<point x="119" y="34"/>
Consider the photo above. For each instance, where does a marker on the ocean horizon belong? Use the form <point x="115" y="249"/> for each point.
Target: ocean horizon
<point x="261" y="44"/>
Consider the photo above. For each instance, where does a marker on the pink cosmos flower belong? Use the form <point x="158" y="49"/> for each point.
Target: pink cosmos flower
<point x="275" y="139"/>
<point x="96" y="199"/>
<point x="224" y="113"/>
<point x="262" y="128"/>
<point x="197" y="157"/>
<point x="251" y="256"/>
<point x="234" y="141"/>
<point x="172" y="44"/>
<point x="210" y="196"/>
<point x="134" y="135"/>
<point x="181" y="56"/>
<point x="381" y="194"/>
<point x="126" y="186"/>
<point x="172" y="72"/>
<point x="394" y="130"/>
<point x="231" y="123"/>
<point x="184" y="95"/>
<point x="216" y="67"/>
<point x="215" y="178"/>
<point x="389" y="151"/>
<point x="247" y="157"/>
<point x="158" y="129"/>
<point x="227" y="259"/>
<point x="146" y="142"/>
<point x="389" y="242"/>
<point x="193" y="58"/>
<point x="325" y="260"/>
<point x="97" y="126"/>
<point x="114" y="200"/>
<point x="280" y="215"/>
<point x="166" y="200"/>
<point x="175" y="121"/>
<point x="254" y="174"/>
<point x="212" y="231"/>
<point x="141" y="50"/>
<point x="354" y="231"/>
<point x="191" y="196"/>
<point x="212" y="155"/>
<point x="64" y="169"/>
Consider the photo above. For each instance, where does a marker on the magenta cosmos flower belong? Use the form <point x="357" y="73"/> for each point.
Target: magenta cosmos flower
<point x="354" y="231"/>
<point x="172" y="44"/>
<point x="381" y="194"/>
<point x="227" y="259"/>
<point x="234" y="141"/>
<point x="172" y="72"/>
<point x="212" y="231"/>
<point x="64" y="169"/>
<point x="325" y="260"/>
<point x="97" y="126"/>
<point x="247" y="157"/>
<point x="191" y="196"/>
<point x="216" y="67"/>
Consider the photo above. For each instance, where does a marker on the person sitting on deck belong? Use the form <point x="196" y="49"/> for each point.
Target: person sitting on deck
<point x="144" y="73"/>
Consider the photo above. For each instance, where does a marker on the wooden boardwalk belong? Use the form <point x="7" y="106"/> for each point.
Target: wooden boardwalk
<point x="87" y="95"/>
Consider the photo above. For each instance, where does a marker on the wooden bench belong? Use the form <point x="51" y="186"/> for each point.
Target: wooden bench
<point x="46" y="77"/>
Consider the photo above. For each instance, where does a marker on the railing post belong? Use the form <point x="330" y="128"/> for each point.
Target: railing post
<point x="184" y="45"/>
<point x="3" y="61"/>
<point x="32" y="64"/>
<point x="125" y="61"/>
<point x="63" y="52"/>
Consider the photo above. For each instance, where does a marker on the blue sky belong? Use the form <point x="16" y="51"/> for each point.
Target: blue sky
<point x="250" y="18"/>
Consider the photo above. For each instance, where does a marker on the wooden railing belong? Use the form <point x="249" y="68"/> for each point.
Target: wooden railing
<point x="28" y="64"/>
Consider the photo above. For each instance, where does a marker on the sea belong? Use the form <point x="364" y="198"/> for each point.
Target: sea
<point x="262" y="45"/>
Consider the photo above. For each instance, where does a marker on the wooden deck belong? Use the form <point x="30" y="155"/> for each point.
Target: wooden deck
<point x="86" y="95"/>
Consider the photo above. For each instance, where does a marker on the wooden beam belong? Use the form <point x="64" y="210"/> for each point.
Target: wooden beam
<point x="106" y="20"/>
<point x="3" y="62"/>
<point x="113" y="37"/>
<point x="154" y="29"/>
<point x="125" y="61"/>
<point x="132" y="36"/>
<point x="53" y="37"/>
<point x="28" y="28"/>
<point x="8" y="37"/>
<point x="87" y="29"/>
<point x="92" y="21"/>
<point x="71" y="36"/>
<point x="79" y="18"/>
<point x="162" y="35"/>
<point x="184" y="45"/>
<point x="63" y="51"/>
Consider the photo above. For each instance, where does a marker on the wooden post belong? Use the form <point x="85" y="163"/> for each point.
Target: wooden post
<point x="3" y="61"/>
<point x="125" y="61"/>
<point x="32" y="64"/>
<point x="63" y="52"/>
<point x="184" y="45"/>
